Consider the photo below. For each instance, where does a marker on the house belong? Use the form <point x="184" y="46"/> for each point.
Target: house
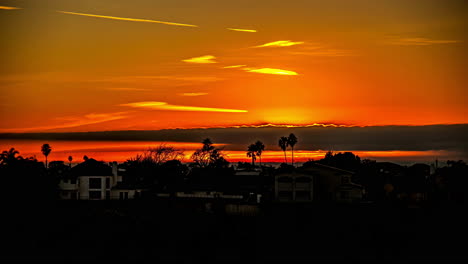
<point x="316" y="182"/>
<point x="94" y="180"/>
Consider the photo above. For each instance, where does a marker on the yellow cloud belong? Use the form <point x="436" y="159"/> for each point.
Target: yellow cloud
<point x="129" y="19"/>
<point x="234" y="66"/>
<point x="271" y="71"/>
<point x="193" y="94"/>
<point x="280" y="43"/>
<point x="242" y="30"/>
<point x="203" y="59"/>
<point x="420" y="41"/>
<point x="9" y="7"/>
<point x="166" y="106"/>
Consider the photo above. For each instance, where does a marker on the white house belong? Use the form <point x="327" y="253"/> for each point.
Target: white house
<point x="92" y="180"/>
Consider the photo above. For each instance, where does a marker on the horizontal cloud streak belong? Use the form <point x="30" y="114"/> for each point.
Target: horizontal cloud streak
<point x="9" y="8"/>
<point x="166" y="106"/>
<point x="203" y="59"/>
<point x="129" y="19"/>
<point x="271" y="71"/>
<point x="234" y="66"/>
<point x="420" y="41"/>
<point x="242" y="30"/>
<point x="371" y="138"/>
<point x="280" y="43"/>
<point x="75" y="121"/>
<point x="192" y="94"/>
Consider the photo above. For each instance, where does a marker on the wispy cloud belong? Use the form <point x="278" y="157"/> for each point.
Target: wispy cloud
<point x="166" y="106"/>
<point x="234" y="66"/>
<point x="203" y="59"/>
<point x="271" y="71"/>
<point x="419" y="41"/>
<point x="192" y="94"/>
<point x="324" y="52"/>
<point x="280" y="43"/>
<point x="129" y="19"/>
<point x="128" y="89"/>
<point x="183" y="78"/>
<point x="242" y="30"/>
<point x="74" y="121"/>
<point x="9" y="8"/>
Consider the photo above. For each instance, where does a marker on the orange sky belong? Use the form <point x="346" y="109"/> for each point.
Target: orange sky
<point x="123" y="150"/>
<point x="123" y="65"/>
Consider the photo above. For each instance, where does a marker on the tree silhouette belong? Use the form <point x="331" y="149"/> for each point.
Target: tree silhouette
<point x="85" y="158"/>
<point x="46" y="149"/>
<point x="252" y="153"/>
<point x="260" y="147"/>
<point x="70" y="158"/>
<point x="9" y="156"/>
<point x="209" y="156"/>
<point x="292" y="140"/>
<point x="283" y="144"/>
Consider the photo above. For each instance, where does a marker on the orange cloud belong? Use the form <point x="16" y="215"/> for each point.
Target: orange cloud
<point x="9" y="7"/>
<point x="166" y="106"/>
<point x="129" y="19"/>
<point x="203" y="59"/>
<point x="280" y="43"/>
<point x="271" y="71"/>
<point x="193" y="94"/>
<point x="242" y="30"/>
<point x="234" y="66"/>
<point x="420" y="41"/>
<point x="74" y="121"/>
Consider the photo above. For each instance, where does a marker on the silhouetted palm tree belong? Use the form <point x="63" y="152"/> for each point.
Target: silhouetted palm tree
<point x="9" y="156"/>
<point x="259" y="148"/>
<point x="252" y="153"/>
<point x="283" y="144"/>
<point x="46" y="149"/>
<point x="70" y="158"/>
<point x="292" y="140"/>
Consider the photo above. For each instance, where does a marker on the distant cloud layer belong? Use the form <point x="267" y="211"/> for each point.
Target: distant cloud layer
<point x="165" y="106"/>
<point x="280" y="43"/>
<point x="372" y="138"/>
<point x="129" y="19"/>
<point x="203" y="59"/>
<point x="271" y="71"/>
<point x="242" y="30"/>
<point x="420" y="41"/>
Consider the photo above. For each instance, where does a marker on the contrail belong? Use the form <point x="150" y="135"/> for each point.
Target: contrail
<point x="129" y="19"/>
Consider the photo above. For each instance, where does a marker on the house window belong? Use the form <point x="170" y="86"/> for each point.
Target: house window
<point x="107" y="183"/>
<point x="108" y="195"/>
<point x="126" y="195"/>
<point x="121" y="196"/>
<point x="344" y="195"/>
<point x="345" y="179"/>
<point x="285" y="195"/>
<point x="95" y="195"/>
<point x="94" y="183"/>
<point x="303" y="196"/>
<point x="73" y="196"/>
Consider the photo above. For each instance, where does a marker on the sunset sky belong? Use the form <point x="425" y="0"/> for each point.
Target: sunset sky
<point x="71" y="66"/>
